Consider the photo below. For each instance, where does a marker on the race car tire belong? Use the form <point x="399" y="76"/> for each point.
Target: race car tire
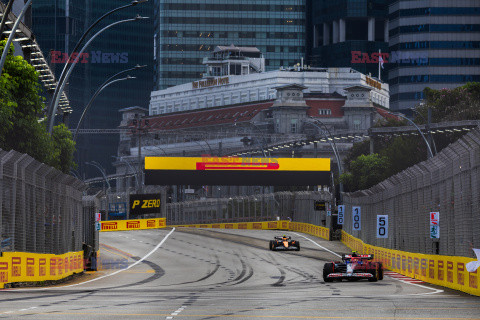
<point x="327" y="269"/>
<point x="298" y="246"/>
<point x="374" y="272"/>
<point x="272" y="246"/>
<point x="380" y="271"/>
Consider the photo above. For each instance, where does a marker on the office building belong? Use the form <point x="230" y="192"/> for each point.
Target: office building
<point x="433" y="44"/>
<point x="348" y="33"/>
<point x="58" y="26"/>
<point x="185" y="31"/>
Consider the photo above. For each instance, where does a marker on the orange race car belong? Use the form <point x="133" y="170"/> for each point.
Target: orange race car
<point x="284" y="243"/>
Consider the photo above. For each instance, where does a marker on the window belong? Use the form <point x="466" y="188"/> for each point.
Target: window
<point x="293" y="125"/>
<point x="357" y="124"/>
<point x="324" y="112"/>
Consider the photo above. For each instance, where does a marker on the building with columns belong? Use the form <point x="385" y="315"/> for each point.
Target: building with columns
<point x="243" y="111"/>
<point x="348" y="33"/>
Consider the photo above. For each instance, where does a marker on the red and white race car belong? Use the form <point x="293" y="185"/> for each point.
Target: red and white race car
<point x="353" y="267"/>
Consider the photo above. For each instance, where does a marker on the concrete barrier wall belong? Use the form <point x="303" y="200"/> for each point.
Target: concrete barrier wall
<point x="36" y="267"/>
<point x="445" y="271"/>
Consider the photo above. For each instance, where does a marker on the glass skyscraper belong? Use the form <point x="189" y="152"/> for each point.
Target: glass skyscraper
<point x="121" y="47"/>
<point x="58" y="25"/>
<point x="433" y="44"/>
<point x="348" y="33"/>
<point x="187" y="30"/>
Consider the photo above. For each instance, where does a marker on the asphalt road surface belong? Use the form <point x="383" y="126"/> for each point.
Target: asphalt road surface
<point x="227" y="274"/>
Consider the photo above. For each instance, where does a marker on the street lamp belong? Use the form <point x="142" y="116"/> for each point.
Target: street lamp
<point x="102" y="87"/>
<point x="61" y="85"/>
<point x="427" y="126"/>
<point x="52" y="108"/>
<point x="140" y="127"/>
<point x="430" y="153"/>
<point x="102" y="171"/>
<point x="131" y="167"/>
<point x="6" y="49"/>
<point x="333" y="146"/>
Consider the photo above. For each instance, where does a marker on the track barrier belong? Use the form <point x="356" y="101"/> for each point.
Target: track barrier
<point x="37" y="267"/>
<point x="137" y="224"/>
<point x="445" y="271"/>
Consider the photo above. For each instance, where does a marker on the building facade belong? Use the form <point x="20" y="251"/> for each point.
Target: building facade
<point x="257" y="87"/>
<point x="348" y="33"/>
<point x="243" y="111"/>
<point x="186" y="30"/>
<point x="432" y="44"/>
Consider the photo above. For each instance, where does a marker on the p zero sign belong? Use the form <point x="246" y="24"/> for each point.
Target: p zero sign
<point x="145" y="203"/>
<point x="237" y="171"/>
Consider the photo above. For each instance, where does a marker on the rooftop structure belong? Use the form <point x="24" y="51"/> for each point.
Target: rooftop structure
<point x="256" y="87"/>
<point x="229" y="61"/>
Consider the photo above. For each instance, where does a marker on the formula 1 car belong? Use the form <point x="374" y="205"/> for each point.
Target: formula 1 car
<point x="284" y="243"/>
<point x="353" y="267"/>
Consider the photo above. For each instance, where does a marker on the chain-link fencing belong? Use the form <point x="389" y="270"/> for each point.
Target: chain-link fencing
<point x="449" y="184"/>
<point x="296" y="206"/>
<point x="40" y="207"/>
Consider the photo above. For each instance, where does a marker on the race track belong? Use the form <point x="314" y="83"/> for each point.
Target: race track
<point x="228" y="274"/>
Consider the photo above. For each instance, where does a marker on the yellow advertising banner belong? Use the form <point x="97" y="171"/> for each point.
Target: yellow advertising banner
<point x="264" y="225"/>
<point x="137" y="224"/>
<point x="446" y="271"/>
<point x="237" y="163"/>
<point x="35" y="267"/>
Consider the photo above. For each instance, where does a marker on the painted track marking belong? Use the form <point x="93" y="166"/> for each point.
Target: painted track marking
<point x="107" y="275"/>
<point x="334" y="253"/>
<point x="176" y="313"/>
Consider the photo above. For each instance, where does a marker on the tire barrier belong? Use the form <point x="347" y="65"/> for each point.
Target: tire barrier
<point x="22" y="267"/>
<point x="445" y="271"/>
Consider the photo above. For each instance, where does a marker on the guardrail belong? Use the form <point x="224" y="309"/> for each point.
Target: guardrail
<point x="36" y="267"/>
<point x="445" y="271"/>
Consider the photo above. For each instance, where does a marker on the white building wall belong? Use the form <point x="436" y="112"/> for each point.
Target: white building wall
<point x="259" y="87"/>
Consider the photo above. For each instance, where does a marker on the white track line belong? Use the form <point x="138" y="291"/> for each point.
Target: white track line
<point x="334" y="253"/>
<point x="107" y="275"/>
<point x="435" y="291"/>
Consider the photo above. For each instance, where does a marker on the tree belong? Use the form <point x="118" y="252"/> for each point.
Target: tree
<point x="20" y="110"/>
<point x="462" y="103"/>
<point x="358" y="149"/>
<point x="64" y="149"/>
<point x="365" y="172"/>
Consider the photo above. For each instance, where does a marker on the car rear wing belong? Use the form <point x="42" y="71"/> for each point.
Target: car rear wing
<point x="281" y="238"/>
<point x="361" y="256"/>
